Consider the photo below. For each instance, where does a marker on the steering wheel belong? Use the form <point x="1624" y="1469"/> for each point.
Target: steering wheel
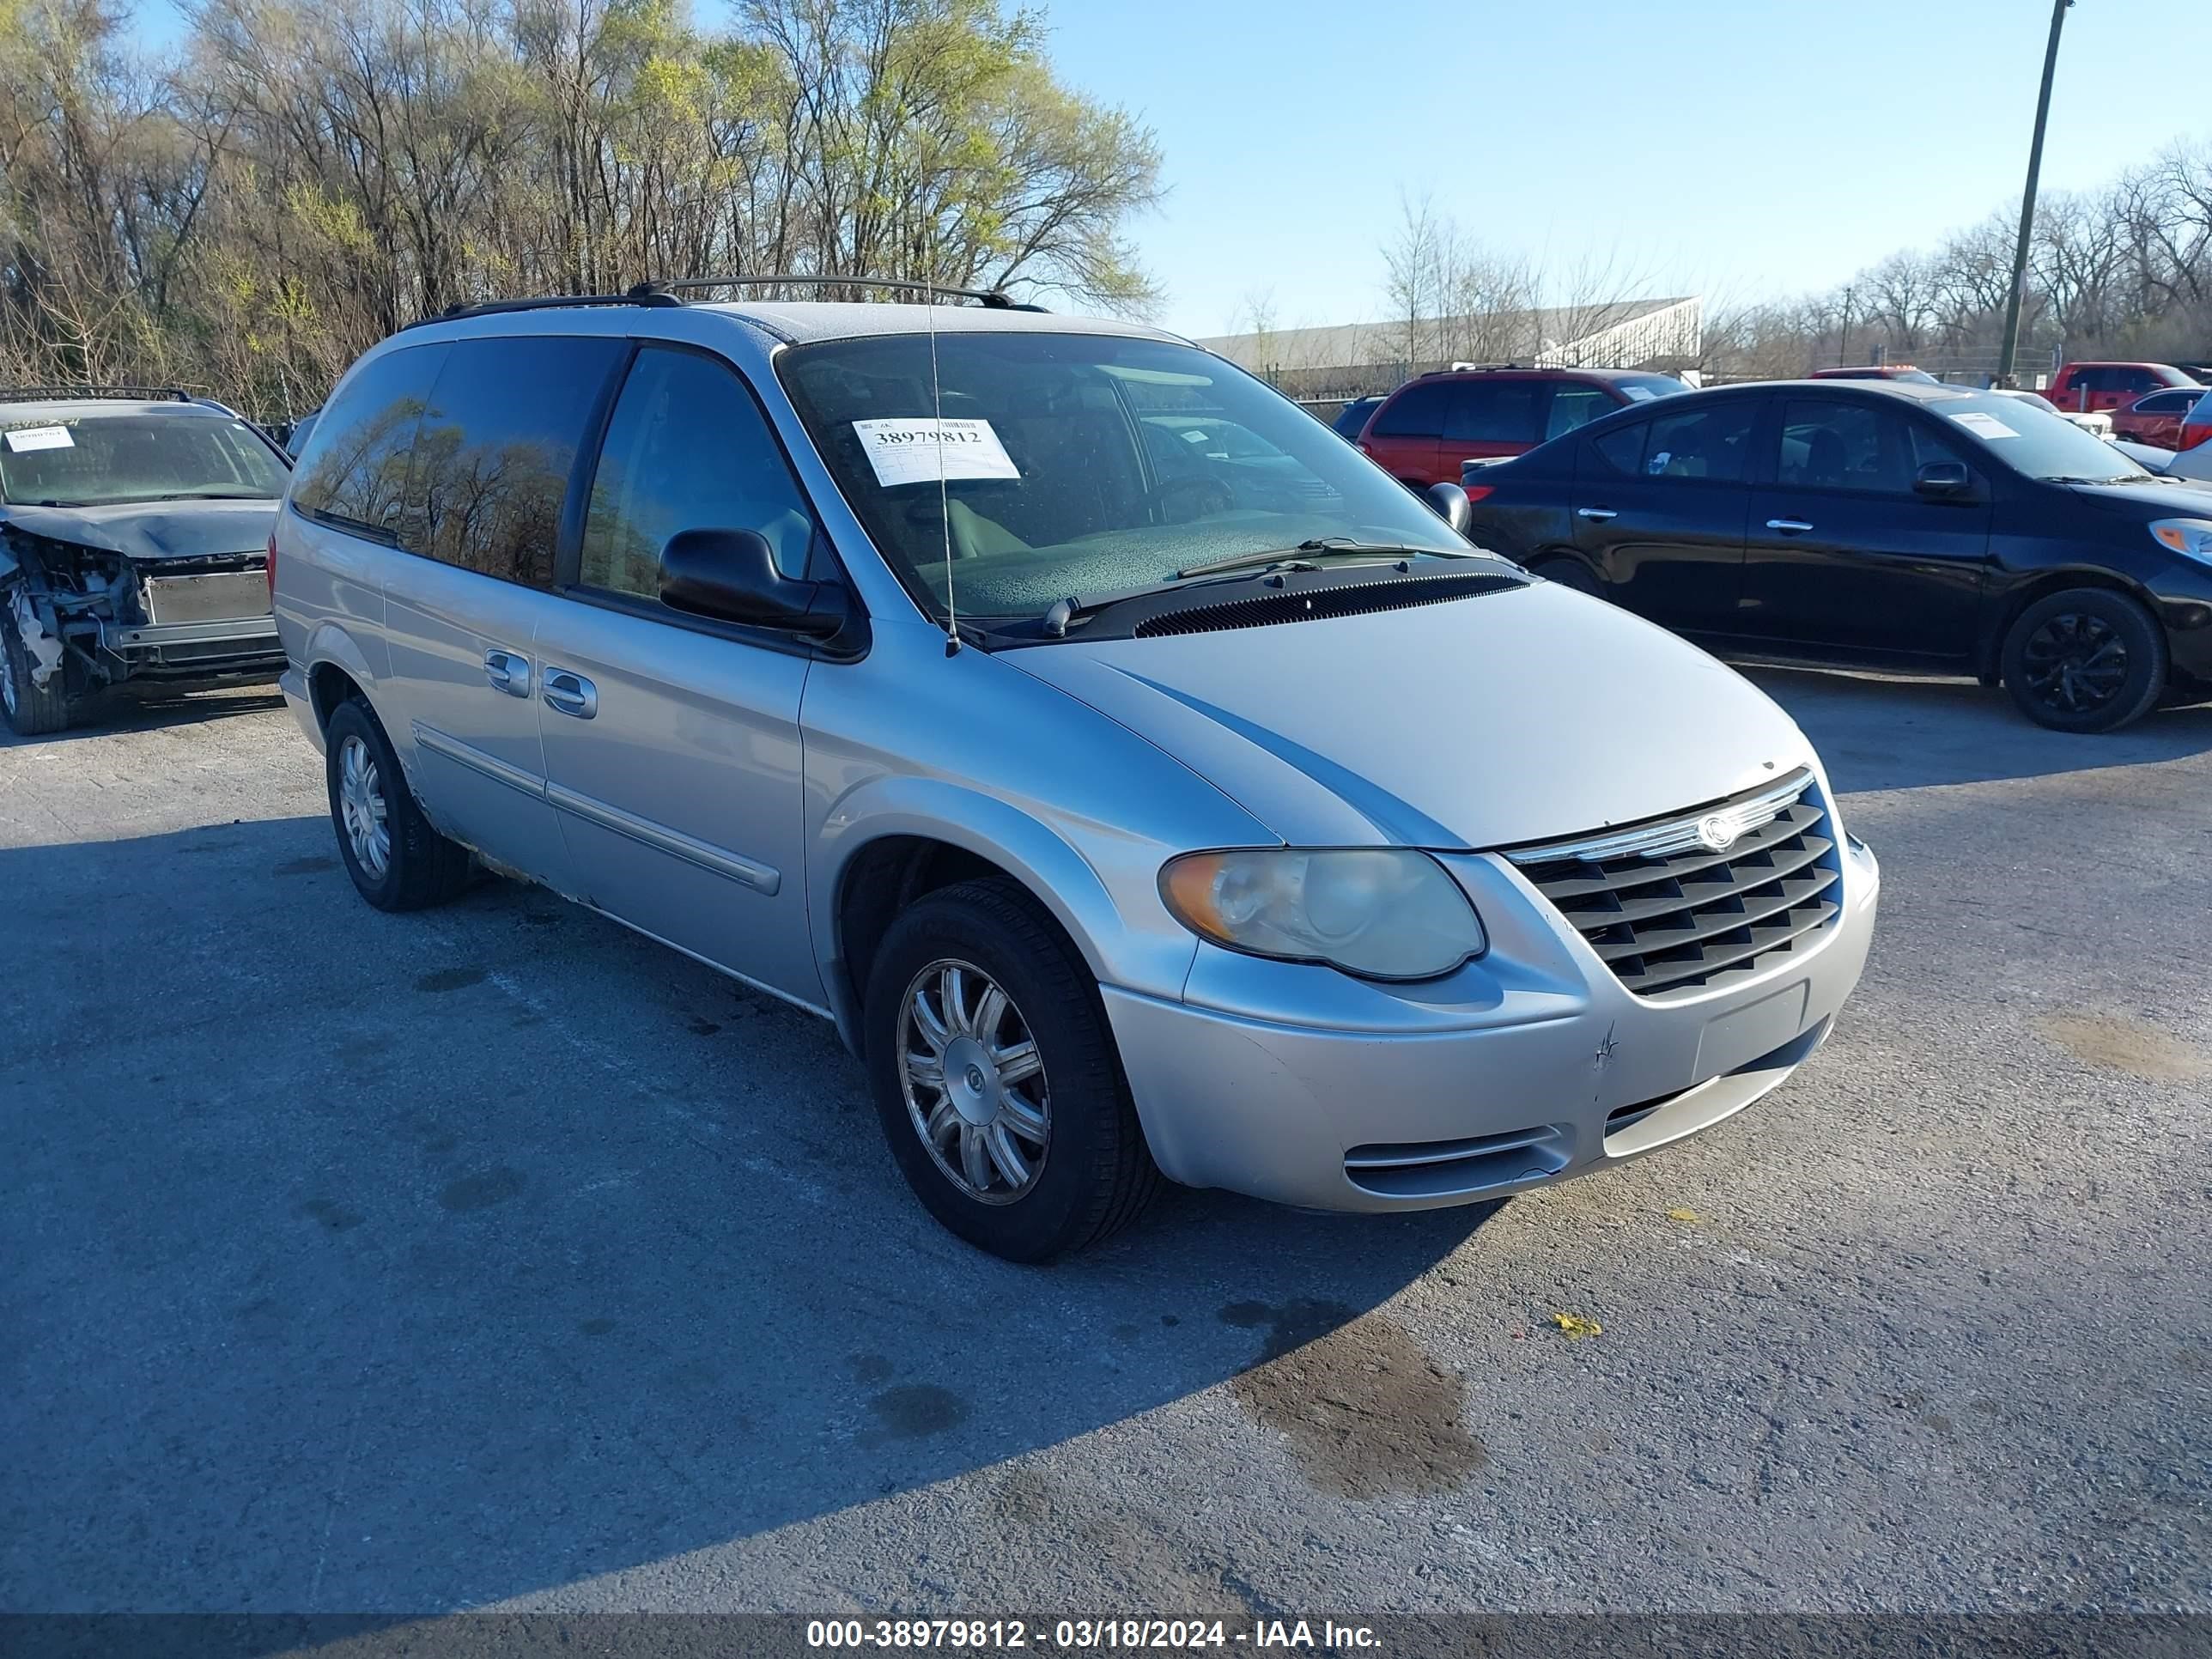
<point x="1216" y="500"/>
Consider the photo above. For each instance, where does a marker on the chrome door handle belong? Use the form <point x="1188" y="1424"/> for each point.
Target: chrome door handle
<point x="1788" y="526"/>
<point x="571" y="693"/>
<point x="1600" y="513"/>
<point x="508" y="672"/>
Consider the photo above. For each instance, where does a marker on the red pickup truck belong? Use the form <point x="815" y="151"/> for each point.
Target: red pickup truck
<point x="2084" y="387"/>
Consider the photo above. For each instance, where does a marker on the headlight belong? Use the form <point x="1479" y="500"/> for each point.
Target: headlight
<point x="2191" y="537"/>
<point x="1382" y="913"/>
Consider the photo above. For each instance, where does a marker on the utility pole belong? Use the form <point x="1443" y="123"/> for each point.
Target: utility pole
<point x="2011" y="344"/>
<point x="1843" y="334"/>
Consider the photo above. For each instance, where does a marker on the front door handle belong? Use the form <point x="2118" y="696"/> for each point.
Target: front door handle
<point x="1788" y="526"/>
<point x="571" y="693"/>
<point x="508" y="672"/>
<point x="1600" y="513"/>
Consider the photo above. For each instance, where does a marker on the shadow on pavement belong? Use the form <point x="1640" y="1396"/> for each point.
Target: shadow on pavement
<point x="144" y="706"/>
<point x="365" y="1263"/>
<point x="1880" y="732"/>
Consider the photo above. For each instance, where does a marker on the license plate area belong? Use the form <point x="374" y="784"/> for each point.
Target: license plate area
<point x="1757" y="1028"/>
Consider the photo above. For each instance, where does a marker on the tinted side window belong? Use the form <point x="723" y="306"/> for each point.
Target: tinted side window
<point x="1623" y="446"/>
<point x="494" y="449"/>
<point x="688" y="449"/>
<point x="352" y="470"/>
<point x="1707" y="443"/>
<point x="1838" y="446"/>
<point x="1492" y="412"/>
<point x="1576" y="405"/>
<point x="1416" y="412"/>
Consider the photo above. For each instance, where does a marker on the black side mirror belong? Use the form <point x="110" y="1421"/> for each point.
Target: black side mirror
<point x="1449" y="503"/>
<point x="1944" y="480"/>
<point x="731" y="575"/>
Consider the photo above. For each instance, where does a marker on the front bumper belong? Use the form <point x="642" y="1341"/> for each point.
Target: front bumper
<point x="1530" y="1066"/>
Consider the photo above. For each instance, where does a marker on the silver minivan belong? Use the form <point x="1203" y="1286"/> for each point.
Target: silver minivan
<point x="1147" y="785"/>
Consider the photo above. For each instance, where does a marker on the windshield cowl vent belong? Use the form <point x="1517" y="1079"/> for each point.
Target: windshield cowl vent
<point x="1351" y="599"/>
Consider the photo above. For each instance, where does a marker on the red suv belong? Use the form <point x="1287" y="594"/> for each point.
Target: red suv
<point x="2081" y="386"/>
<point x="1428" y="426"/>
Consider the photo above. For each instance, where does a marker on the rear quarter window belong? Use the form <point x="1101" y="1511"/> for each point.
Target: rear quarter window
<point x="1416" y="412"/>
<point x="352" y="470"/>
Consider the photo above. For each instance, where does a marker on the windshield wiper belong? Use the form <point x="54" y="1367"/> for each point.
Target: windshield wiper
<point x="212" y="495"/>
<point x="1291" y="558"/>
<point x="2124" y="478"/>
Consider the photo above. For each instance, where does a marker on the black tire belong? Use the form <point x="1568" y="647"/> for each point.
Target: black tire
<point x="1095" y="1174"/>
<point x="32" y="710"/>
<point x="2086" y="659"/>
<point x="1568" y="573"/>
<point x="421" y="866"/>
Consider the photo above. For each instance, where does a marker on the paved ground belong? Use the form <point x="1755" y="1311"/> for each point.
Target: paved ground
<point x="492" y="1256"/>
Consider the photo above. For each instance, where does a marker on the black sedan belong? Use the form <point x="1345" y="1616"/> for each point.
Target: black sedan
<point x="1879" y="524"/>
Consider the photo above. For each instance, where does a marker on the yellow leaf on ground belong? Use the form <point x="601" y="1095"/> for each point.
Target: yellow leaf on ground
<point x="1683" y="1215"/>
<point x="1576" y="1326"/>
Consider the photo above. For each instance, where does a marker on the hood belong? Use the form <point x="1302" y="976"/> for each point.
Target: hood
<point x="153" y="530"/>
<point x="2178" y="498"/>
<point x="1517" y="716"/>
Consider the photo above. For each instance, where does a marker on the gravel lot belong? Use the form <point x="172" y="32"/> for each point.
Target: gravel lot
<point x="494" y="1257"/>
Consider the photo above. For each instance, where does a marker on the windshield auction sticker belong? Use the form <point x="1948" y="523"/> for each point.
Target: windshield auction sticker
<point x="1986" y="426"/>
<point x="40" y="437"/>
<point x="908" y="452"/>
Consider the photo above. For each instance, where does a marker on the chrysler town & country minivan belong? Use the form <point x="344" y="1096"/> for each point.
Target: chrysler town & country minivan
<point x="1146" y="784"/>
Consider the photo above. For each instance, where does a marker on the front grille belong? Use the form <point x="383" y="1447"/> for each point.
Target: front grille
<point x="1667" y="912"/>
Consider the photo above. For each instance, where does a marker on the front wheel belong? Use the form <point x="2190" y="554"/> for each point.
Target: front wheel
<point x="2086" y="659"/>
<point x="996" y="1078"/>
<point x="32" y="710"/>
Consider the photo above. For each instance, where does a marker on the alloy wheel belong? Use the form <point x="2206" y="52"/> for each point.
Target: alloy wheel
<point x="2075" y="662"/>
<point x="361" y="809"/>
<point x="973" y="1081"/>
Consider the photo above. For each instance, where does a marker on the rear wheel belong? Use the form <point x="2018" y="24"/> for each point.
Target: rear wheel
<point x="2086" y="659"/>
<point x="32" y="710"/>
<point x="996" y="1078"/>
<point x="395" y="859"/>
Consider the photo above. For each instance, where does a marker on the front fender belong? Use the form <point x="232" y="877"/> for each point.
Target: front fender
<point x="1127" y="942"/>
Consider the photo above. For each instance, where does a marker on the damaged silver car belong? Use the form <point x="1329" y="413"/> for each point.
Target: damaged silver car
<point x="134" y="532"/>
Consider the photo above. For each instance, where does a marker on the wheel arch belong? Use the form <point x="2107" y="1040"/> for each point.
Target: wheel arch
<point x="1989" y="655"/>
<point x="896" y="838"/>
<point x="336" y="668"/>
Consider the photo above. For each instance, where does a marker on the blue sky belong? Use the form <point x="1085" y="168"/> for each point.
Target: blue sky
<point x="1726" y="146"/>
<point x="1736" y="148"/>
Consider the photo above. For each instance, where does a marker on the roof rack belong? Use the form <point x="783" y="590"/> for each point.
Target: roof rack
<point x="990" y="299"/>
<point x="23" y="394"/>
<point x="664" y="293"/>
<point x="542" y="302"/>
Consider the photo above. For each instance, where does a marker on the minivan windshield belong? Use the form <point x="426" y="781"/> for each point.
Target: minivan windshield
<point x="2037" y="442"/>
<point x="1081" y="463"/>
<point x="99" y="460"/>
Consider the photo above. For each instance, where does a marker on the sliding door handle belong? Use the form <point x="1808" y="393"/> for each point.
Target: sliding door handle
<point x="570" y="693"/>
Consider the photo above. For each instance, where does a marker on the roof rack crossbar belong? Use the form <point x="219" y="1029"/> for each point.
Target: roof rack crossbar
<point x="991" y="299"/>
<point x="55" y="393"/>
<point x="544" y="302"/>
